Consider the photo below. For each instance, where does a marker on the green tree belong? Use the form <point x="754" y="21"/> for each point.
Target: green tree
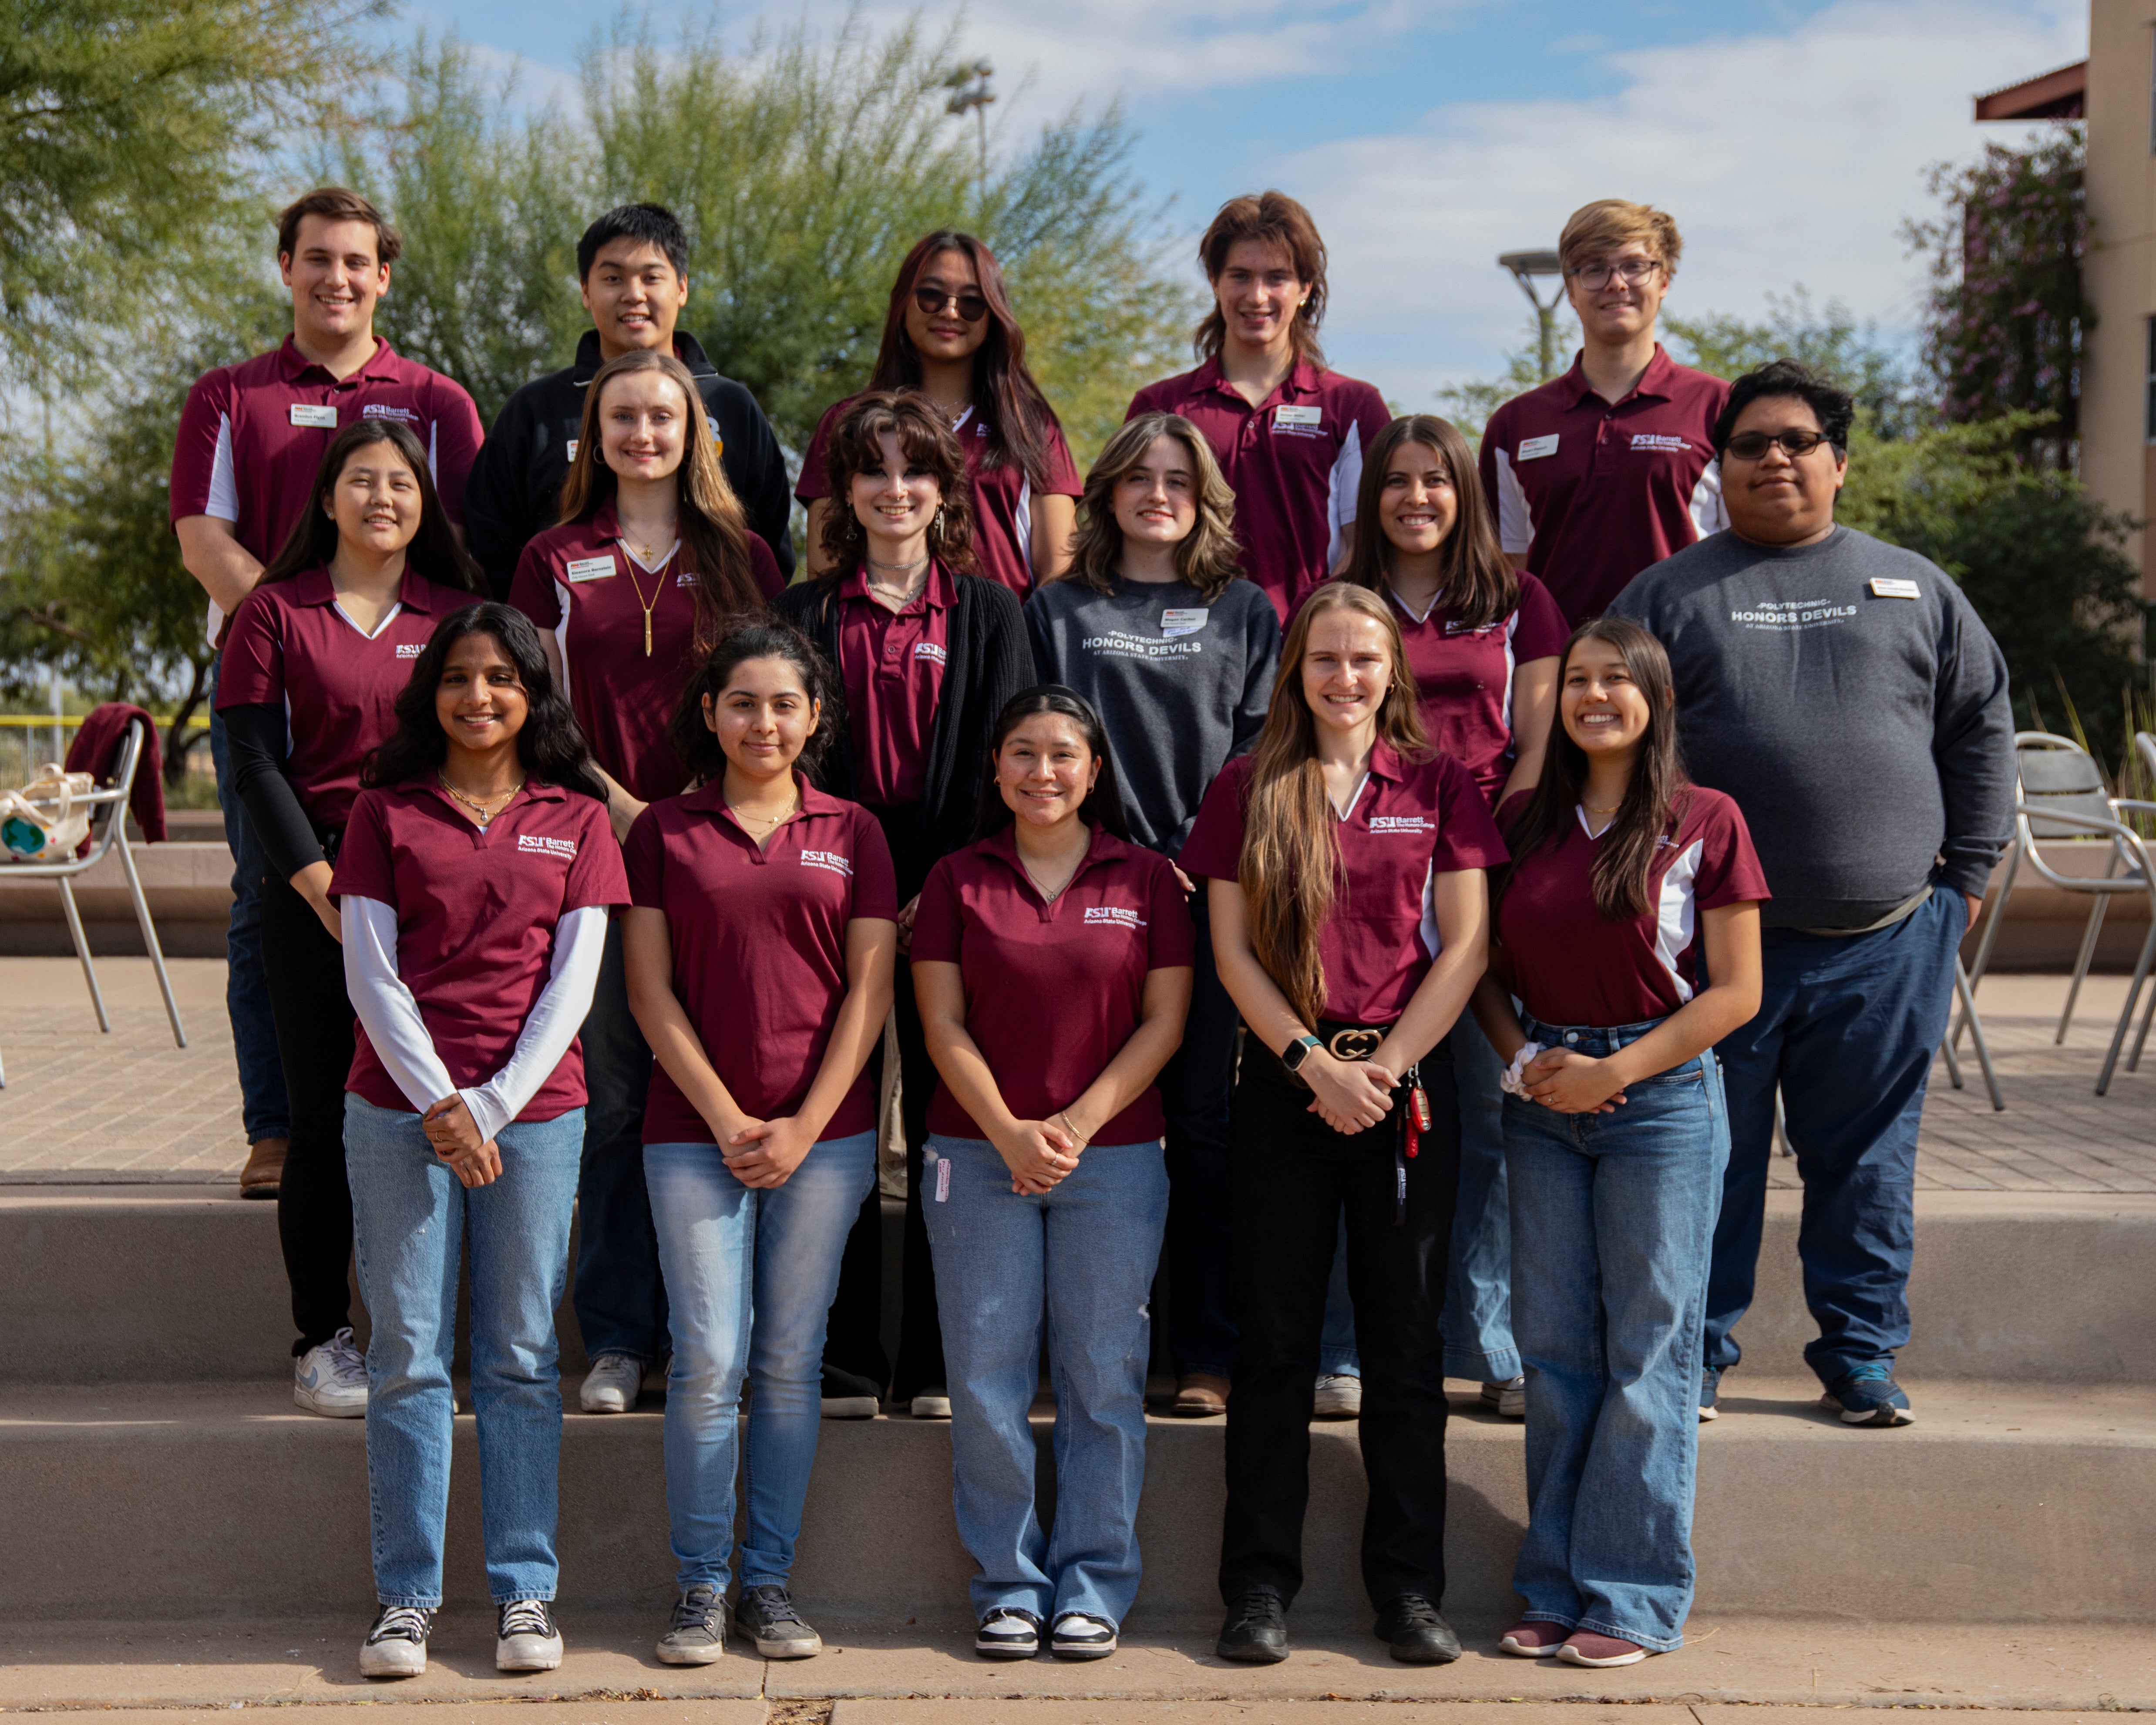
<point x="1827" y="338"/>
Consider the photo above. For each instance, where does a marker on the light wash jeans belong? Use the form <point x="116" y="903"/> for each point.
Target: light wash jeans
<point x="410" y="1217"/>
<point x="750" y="1277"/>
<point x="1083" y="1254"/>
<point x="1613" y="1229"/>
<point x="1477" y="1325"/>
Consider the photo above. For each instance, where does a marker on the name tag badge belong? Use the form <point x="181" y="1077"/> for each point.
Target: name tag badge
<point x="573" y="449"/>
<point x="1298" y="416"/>
<point x="322" y="418"/>
<point x="1532" y="449"/>
<point x="1887" y="587"/>
<point x="590" y="569"/>
<point x="1181" y="620"/>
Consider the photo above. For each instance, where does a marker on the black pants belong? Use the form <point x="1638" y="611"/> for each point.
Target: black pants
<point x="314" y="1019"/>
<point x="1292" y="1174"/>
<point x="620" y="1296"/>
<point x="852" y="1339"/>
<point x="1196" y="1090"/>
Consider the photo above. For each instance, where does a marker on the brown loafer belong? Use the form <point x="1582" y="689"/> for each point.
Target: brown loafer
<point x="266" y="1168"/>
<point x="1200" y="1395"/>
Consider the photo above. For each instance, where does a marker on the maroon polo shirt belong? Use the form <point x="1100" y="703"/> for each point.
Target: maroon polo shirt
<point x="292" y="645"/>
<point x="1053" y="991"/>
<point x="1591" y="492"/>
<point x="1295" y="461"/>
<point x="252" y="435"/>
<point x="1003" y="495"/>
<point x="1463" y="677"/>
<point x="579" y="582"/>
<point x="1411" y="821"/>
<point x="891" y="664"/>
<point x="476" y="911"/>
<point x="759" y="942"/>
<point x="1569" y="964"/>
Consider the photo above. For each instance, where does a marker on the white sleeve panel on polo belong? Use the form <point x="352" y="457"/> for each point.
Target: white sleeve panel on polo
<point x="1675" y="916"/>
<point x="559" y="1013"/>
<point x="224" y="487"/>
<point x="1516" y="520"/>
<point x="1023" y="526"/>
<point x="384" y="1006"/>
<point x="1709" y="514"/>
<point x="1346" y="480"/>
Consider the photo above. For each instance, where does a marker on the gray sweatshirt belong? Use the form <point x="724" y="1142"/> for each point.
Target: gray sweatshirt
<point x="1849" y="699"/>
<point x="1180" y="686"/>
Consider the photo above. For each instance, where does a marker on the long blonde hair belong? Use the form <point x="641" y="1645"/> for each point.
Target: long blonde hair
<point x="709" y="516"/>
<point x="1291" y="850"/>
<point x="1208" y="557"/>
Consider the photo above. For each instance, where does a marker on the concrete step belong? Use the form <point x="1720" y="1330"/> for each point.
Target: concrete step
<point x="176" y="1284"/>
<point x="2012" y="1502"/>
<point x="918" y="1676"/>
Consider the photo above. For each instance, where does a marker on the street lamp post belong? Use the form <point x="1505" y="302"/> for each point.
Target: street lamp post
<point x="970" y="94"/>
<point x="1525" y="266"/>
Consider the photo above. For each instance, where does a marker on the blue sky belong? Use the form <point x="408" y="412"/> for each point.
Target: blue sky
<point x="1788" y="138"/>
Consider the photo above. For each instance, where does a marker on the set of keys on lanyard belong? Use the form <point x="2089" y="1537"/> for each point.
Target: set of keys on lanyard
<point x="1414" y="1121"/>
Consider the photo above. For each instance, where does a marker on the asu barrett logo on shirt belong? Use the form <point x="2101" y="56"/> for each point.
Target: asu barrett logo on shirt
<point x="830" y="861"/>
<point x="1115" y="915"/>
<point x="1401" y="824"/>
<point x="565" y="849"/>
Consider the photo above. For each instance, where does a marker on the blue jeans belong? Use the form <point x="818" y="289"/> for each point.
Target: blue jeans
<point x="1478" y="1288"/>
<point x="410" y="1218"/>
<point x="1336" y="1343"/>
<point x="1196" y="1087"/>
<point x="1083" y="1253"/>
<point x="620" y="1297"/>
<point x="753" y="1272"/>
<point x="264" y="1112"/>
<point x="1847" y="1028"/>
<point x="1613" y="1221"/>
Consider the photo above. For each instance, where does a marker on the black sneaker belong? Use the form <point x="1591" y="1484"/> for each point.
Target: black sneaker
<point x="1080" y="1635"/>
<point x="1255" y="1632"/>
<point x="1710" y="1390"/>
<point x="765" y="1616"/>
<point x="397" y="1646"/>
<point x="1417" y="1635"/>
<point x="848" y="1395"/>
<point x="525" y="1637"/>
<point x="1868" y="1396"/>
<point x="698" y="1634"/>
<point x="1007" y="1634"/>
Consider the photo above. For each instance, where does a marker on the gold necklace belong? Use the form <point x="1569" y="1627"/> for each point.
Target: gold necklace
<point x="478" y="805"/>
<point x="658" y="587"/>
<point x="769" y="821"/>
<point x="1592" y="809"/>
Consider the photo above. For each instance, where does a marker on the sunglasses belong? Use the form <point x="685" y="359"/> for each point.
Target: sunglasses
<point x="1750" y="445"/>
<point x="971" y="307"/>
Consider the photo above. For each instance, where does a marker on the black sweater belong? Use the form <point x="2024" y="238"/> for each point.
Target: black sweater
<point x="991" y="661"/>
<point x="515" y="488"/>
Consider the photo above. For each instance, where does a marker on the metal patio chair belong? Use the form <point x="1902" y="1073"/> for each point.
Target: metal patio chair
<point x="107" y="830"/>
<point x="2061" y="796"/>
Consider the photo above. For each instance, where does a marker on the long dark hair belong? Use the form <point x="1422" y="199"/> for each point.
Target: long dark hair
<point x="713" y="529"/>
<point x="1291" y="848"/>
<point x="1475" y="582"/>
<point x="434" y="553"/>
<point x="551" y="745"/>
<point x="856" y="446"/>
<point x="1104" y="803"/>
<point x="696" y="742"/>
<point x="1653" y="802"/>
<point x="1010" y="405"/>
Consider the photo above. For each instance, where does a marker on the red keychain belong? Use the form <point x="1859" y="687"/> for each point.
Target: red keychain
<point x="1419" y="1116"/>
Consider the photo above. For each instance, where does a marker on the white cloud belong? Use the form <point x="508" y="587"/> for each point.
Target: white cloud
<point x="1786" y="156"/>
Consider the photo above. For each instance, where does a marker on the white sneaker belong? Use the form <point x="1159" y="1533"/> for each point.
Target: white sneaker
<point x="611" y="1384"/>
<point x="526" y="1638"/>
<point x="331" y="1379"/>
<point x="1339" y="1397"/>
<point x="397" y="1646"/>
<point x="933" y="1403"/>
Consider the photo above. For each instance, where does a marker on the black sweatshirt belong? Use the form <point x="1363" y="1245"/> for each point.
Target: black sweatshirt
<point x="515" y="488"/>
<point x="1851" y="701"/>
<point x="990" y="662"/>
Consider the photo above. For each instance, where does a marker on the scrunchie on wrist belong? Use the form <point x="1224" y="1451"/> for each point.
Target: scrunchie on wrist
<point x="1509" y="1081"/>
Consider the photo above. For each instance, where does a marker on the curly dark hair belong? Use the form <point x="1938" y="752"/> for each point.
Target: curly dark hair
<point x="856" y="446"/>
<point x="551" y="745"/>
<point x="696" y="743"/>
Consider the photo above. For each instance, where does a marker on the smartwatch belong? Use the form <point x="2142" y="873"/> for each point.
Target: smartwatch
<point x="1297" y="1051"/>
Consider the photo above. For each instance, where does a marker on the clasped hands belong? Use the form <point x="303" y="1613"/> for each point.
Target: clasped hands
<point x="1570" y="1083"/>
<point x="1039" y="1153"/>
<point x="454" y="1134"/>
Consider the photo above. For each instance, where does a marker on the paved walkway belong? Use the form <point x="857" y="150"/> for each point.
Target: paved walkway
<point x="131" y="1108"/>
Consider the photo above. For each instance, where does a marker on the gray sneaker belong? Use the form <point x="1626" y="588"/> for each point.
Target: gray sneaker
<point x="397" y="1646"/>
<point x="698" y="1634"/>
<point x="765" y="1616"/>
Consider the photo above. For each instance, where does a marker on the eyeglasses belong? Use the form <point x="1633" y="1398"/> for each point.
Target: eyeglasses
<point x="1631" y="271"/>
<point x="971" y="307"/>
<point x="1750" y="445"/>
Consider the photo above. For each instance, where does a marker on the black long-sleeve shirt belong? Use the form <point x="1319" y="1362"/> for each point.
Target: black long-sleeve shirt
<point x="1849" y="697"/>
<point x="515" y="487"/>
